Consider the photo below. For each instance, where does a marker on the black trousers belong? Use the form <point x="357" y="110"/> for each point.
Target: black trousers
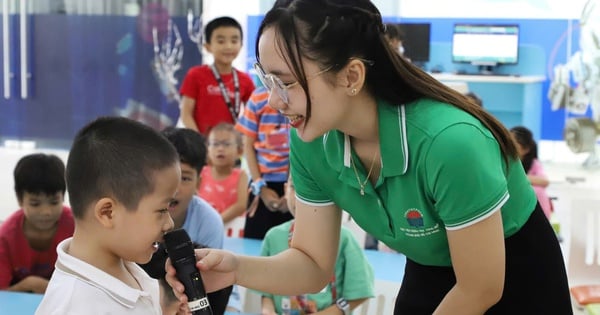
<point x="257" y="226"/>
<point x="535" y="280"/>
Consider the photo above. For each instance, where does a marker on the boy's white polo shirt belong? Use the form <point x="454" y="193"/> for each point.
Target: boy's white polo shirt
<point x="77" y="287"/>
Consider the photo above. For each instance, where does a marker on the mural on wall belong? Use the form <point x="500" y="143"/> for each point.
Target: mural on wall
<point x="576" y="88"/>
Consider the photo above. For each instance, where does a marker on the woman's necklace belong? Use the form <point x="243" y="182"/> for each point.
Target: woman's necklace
<point x="362" y="184"/>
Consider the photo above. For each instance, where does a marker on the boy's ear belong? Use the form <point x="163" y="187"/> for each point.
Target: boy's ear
<point x="104" y="212"/>
<point x="207" y="47"/>
<point x="199" y="181"/>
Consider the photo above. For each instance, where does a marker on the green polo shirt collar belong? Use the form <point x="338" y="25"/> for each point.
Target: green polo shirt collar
<point x="393" y="145"/>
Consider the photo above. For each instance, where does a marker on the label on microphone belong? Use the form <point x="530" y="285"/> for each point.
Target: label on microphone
<point x="198" y="304"/>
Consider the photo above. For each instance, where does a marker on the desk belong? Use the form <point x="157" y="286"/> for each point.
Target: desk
<point x="489" y="78"/>
<point x="514" y="100"/>
<point x="18" y="303"/>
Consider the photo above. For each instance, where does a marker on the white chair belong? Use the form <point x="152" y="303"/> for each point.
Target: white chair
<point x="235" y="227"/>
<point x="373" y="306"/>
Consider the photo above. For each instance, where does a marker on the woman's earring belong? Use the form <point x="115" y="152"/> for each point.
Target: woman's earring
<point x="353" y="91"/>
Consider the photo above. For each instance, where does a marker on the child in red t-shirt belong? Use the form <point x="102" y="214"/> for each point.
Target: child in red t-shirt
<point x="224" y="185"/>
<point x="215" y="93"/>
<point x="28" y="238"/>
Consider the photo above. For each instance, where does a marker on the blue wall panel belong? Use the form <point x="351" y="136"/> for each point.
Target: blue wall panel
<point x="85" y="67"/>
<point x="543" y="44"/>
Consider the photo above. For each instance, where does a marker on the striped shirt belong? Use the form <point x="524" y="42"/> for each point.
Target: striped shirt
<point x="270" y="131"/>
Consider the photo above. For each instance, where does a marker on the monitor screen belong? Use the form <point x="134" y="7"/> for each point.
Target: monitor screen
<point x="416" y="40"/>
<point x="485" y="45"/>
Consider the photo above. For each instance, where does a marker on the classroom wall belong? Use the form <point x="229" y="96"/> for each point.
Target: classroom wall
<point x="95" y="65"/>
<point x="549" y="35"/>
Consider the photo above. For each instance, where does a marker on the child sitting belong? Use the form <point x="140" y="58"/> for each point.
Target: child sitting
<point x="352" y="283"/>
<point x="527" y="149"/>
<point x="28" y="238"/>
<point x="122" y="178"/>
<point x="224" y="185"/>
<point x="190" y="212"/>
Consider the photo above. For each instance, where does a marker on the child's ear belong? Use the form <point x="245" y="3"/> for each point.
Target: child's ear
<point x="199" y="181"/>
<point x="207" y="47"/>
<point x="104" y="212"/>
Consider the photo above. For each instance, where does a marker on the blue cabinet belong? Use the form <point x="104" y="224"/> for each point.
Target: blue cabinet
<point x="514" y="100"/>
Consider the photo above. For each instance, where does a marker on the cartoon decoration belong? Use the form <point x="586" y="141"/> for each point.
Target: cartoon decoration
<point x="167" y="60"/>
<point x="194" y="25"/>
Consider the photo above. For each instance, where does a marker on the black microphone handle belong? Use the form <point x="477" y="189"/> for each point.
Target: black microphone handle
<point x="189" y="275"/>
<point x="181" y="252"/>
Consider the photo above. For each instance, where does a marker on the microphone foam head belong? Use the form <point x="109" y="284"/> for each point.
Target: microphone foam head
<point x="178" y="244"/>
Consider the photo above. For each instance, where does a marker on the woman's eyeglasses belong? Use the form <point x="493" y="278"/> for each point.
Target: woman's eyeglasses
<point x="272" y="82"/>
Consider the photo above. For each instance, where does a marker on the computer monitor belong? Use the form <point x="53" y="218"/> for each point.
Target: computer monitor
<point x="485" y="45"/>
<point x="416" y="41"/>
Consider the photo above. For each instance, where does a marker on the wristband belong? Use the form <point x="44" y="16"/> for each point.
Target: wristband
<point x="257" y="185"/>
<point x="343" y="305"/>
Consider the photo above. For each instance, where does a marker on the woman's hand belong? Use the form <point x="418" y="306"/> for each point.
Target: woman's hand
<point x="217" y="268"/>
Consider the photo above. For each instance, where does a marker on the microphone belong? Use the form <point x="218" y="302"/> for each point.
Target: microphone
<point x="181" y="251"/>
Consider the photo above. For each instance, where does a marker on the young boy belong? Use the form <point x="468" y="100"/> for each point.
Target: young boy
<point x="214" y="93"/>
<point x="192" y="213"/>
<point x="266" y="150"/>
<point x="28" y="238"/>
<point x="122" y="177"/>
<point x="351" y="285"/>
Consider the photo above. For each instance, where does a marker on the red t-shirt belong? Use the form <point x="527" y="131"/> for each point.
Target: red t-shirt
<point x="18" y="260"/>
<point x="211" y="109"/>
<point x="220" y="194"/>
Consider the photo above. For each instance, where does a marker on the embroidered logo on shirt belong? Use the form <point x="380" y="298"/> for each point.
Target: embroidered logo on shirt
<point x="417" y="227"/>
<point x="414" y="218"/>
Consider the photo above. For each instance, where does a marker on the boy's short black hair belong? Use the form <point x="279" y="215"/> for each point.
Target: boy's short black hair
<point x="115" y="157"/>
<point x="39" y="173"/>
<point x="190" y="145"/>
<point x="223" y="21"/>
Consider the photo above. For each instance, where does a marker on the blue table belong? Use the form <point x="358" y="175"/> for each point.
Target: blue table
<point x="12" y="303"/>
<point x="18" y="303"/>
<point x="386" y="266"/>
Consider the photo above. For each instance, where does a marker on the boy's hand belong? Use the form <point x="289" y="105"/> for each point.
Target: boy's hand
<point x="282" y="205"/>
<point x="271" y="199"/>
<point x="35" y="284"/>
<point x="217" y="269"/>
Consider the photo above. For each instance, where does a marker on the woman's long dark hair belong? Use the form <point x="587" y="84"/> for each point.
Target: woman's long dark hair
<point x="525" y="138"/>
<point x="331" y="32"/>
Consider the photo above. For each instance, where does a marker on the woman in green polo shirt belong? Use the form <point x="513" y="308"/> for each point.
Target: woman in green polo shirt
<point x="417" y="165"/>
